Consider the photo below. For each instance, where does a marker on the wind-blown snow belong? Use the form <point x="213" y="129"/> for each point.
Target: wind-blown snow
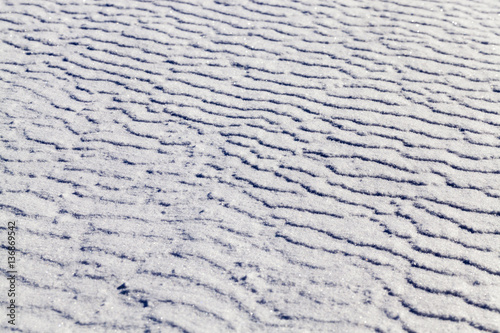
<point x="272" y="166"/>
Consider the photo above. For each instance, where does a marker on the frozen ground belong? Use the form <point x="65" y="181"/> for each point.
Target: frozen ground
<point x="252" y="166"/>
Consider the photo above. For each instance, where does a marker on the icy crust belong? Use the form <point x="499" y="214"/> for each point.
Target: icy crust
<point x="272" y="166"/>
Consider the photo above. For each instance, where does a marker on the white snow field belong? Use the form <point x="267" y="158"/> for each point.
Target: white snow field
<point x="251" y="166"/>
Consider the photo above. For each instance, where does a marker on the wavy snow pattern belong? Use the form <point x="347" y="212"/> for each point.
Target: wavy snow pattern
<point x="209" y="166"/>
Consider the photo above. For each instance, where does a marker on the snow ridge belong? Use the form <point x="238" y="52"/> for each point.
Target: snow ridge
<point x="210" y="166"/>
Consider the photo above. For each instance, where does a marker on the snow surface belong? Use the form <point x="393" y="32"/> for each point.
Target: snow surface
<point x="253" y="165"/>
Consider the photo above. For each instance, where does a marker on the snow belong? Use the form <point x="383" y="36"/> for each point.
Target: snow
<point x="271" y="166"/>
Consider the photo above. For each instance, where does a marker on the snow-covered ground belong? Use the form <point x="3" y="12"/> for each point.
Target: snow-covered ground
<point x="251" y="166"/>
